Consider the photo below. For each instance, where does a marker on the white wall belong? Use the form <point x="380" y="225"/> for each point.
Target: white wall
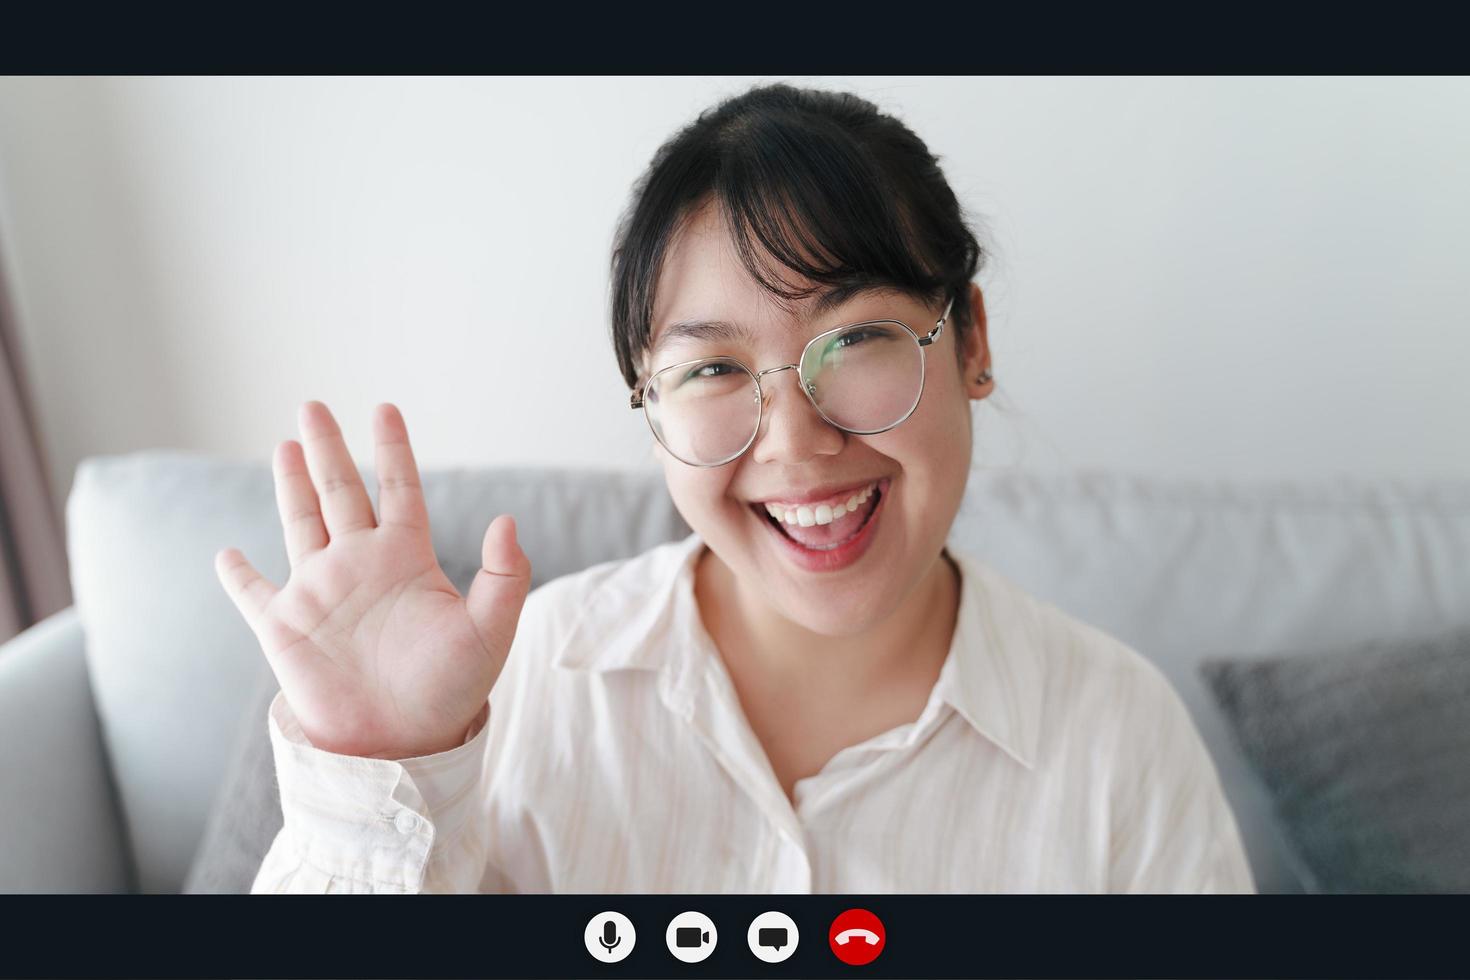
<point x="1232" y="277"/>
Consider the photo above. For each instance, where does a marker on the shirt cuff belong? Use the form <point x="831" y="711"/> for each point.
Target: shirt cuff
<point x="373" y="819"/>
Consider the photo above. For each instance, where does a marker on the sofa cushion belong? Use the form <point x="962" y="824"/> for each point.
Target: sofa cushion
<point x="1174" y="568"/>
<point x="246" y="814"/>
<point x="1366" y="754"/>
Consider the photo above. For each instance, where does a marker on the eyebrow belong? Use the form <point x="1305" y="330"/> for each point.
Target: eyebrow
<point x="728" y="332"/>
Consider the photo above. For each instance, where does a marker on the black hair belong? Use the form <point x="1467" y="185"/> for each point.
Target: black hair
<point x="825" y="183"/>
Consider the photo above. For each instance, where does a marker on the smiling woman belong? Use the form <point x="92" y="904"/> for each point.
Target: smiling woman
<point x="812" y="692"/>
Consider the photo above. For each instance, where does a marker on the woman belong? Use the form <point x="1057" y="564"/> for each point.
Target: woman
<point x="812" y="692"/>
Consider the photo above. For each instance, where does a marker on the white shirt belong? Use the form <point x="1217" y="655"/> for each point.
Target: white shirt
<point x="1050" y="757"/>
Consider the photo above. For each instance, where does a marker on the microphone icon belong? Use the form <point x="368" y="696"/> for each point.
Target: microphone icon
<point x="610" y="938"/>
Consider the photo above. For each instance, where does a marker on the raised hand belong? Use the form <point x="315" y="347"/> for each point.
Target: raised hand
<point x="375" y="650"/>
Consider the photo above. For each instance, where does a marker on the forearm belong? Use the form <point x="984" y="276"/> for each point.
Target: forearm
<point x="355" y="824"/>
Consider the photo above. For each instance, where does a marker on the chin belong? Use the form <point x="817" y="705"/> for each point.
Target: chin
<point x="852" y="614"/>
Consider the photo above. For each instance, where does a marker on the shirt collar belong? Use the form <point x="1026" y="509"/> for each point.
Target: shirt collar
<point x="656" y="588"/>
<point x="992" y="676"/>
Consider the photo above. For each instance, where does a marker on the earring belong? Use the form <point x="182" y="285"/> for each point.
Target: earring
<point x="984" y="377"/>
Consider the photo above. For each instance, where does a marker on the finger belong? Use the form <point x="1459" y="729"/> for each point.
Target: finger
<point x="301" y="512"/>
<point x="250" y="591"/>
<point x="400" y="491"/>
<point x="339" y="487"/>
<point x="500" y="587"/>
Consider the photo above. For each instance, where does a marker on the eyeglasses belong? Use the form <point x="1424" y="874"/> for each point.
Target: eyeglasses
<point x="863" y="378"/>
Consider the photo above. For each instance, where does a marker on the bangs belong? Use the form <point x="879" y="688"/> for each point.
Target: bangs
<point x="821" y="195"/>
<point x="817" y="210"/>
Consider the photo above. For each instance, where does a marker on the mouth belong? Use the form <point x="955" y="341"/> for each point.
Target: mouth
<point x="831" y="535"/>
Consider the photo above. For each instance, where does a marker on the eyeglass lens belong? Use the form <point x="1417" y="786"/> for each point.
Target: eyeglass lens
<point x="865" y="378"/>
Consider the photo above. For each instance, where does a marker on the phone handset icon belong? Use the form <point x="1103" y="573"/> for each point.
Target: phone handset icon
<point x="857" y="937"/>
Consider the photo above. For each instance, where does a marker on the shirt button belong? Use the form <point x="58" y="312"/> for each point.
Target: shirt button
<point x="407" y="821"/>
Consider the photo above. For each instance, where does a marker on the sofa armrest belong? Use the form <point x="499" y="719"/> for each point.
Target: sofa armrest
<point x="60" y="827"/>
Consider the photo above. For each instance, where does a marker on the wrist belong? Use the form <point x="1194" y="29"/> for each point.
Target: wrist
<point x="463" y="738"/>
<point x="476" y="724"/>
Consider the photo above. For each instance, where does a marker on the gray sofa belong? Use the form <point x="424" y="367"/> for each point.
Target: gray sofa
<point x="119" y="715"/>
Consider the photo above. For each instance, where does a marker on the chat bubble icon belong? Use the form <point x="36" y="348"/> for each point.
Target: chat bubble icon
<point x="775" y="938"/>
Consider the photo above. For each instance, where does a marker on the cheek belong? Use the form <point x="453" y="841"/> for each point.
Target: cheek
<point x="700" y="495"/>
<point x="944" y="392"/>
<point x="944" y="423"/>
<point x="935" y="439"/>
<point x="932" y="452"/>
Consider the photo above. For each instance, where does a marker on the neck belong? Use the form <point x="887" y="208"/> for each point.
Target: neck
<point x="909" y="645"/>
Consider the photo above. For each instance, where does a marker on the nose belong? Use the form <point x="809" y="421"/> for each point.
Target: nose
<point x="792" y="430"/>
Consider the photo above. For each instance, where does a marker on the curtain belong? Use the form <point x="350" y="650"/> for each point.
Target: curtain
<point x="33" y="573"/>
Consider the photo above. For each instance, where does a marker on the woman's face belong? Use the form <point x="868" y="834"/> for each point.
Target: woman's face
<point x="922" y="463"/>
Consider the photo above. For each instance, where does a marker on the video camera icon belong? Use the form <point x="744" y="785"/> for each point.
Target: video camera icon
<point x="773" y="936"/>
<point x="691" y="936"/>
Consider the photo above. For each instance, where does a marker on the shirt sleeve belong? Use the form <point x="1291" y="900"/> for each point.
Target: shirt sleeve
<point x="356" y="824"/>
<point x="1173" y="830"/>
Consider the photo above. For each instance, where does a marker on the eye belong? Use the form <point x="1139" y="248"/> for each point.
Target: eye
<point x="717" y="369"/>
<point x="830" y="350"/>
<point x="851" y="338"/>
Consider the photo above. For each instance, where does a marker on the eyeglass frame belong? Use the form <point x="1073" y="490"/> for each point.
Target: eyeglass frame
<point x="639" y="397"/>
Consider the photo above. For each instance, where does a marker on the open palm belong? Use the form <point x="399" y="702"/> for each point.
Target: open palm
<point x="375" y="650"/>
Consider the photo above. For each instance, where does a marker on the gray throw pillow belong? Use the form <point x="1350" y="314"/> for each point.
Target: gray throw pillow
<point x="246" y="814"/>
<point x="1366" y="754"/>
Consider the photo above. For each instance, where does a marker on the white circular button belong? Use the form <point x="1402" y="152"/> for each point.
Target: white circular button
<point x="691" y="936"/>
<point x="773" y="936"/>
<point x="609" y="937"/>
<point x="407" y="821"/>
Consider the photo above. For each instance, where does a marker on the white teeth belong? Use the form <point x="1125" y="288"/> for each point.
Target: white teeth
<point x="823" y="513"/>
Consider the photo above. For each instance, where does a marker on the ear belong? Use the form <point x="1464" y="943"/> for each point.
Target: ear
<point x="977" y="349"/>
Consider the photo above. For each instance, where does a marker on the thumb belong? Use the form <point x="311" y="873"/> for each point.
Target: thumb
<point x="250" y="591"/>
<point x="500" y="587"/>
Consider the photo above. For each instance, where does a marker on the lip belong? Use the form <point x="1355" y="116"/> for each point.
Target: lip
<point x="840" y="557"/>
<point x="821" y="495"/>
